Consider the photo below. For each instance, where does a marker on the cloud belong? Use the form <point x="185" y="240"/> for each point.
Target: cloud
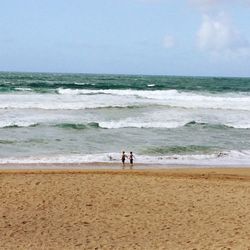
<point x="217" y="35"/>
<point x="168" y="41"/>
<point x="208" y="4"/>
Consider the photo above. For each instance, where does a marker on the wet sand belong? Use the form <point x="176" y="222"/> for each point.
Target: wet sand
<point x="125" y="209"/>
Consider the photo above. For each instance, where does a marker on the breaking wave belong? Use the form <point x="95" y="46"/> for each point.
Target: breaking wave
<point x="19" y="124"/>
<point x="78" y="126"/>
<point x="122" y="124"/>
<point x="219" y="158"/>
<point x="93" y="99"/>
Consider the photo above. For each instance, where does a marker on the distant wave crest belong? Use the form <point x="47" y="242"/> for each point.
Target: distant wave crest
<point x="78" y="126"/>
<point x="124" y="124"/>
<point x="18" y="125"/>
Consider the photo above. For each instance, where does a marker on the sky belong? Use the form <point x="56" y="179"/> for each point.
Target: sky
<point x="154" y="37"/>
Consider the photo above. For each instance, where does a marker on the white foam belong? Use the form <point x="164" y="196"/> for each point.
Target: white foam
<point x="232" y="111"/>
<point x="82" y="99"/>
<point x="60" y="102"/>
<point x="23" y="89"/>
<point x="156" y="94"/>
<point x="238" y="125"/>
<point x="153" y="120"/>
<point x="4" y="123"/>
<point x="175" y="98"/>
<point x="216" y="159"/>
<point x="80" y="83"/>
<point x="129" y="124"/>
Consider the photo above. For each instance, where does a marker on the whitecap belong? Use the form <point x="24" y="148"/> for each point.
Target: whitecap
<point x="224" y="158"/>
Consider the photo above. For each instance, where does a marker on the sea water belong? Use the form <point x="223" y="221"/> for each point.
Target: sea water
<point x="75" y="118"/>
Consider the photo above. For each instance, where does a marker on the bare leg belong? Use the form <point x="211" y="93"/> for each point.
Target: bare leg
<point x="131" y="165"/>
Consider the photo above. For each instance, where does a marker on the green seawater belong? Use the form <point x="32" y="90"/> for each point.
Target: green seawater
<point x="84" y="117"/>
<point x="47" y="82"/>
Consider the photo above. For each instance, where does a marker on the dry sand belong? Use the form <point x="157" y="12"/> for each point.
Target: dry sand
<point x="164" y="209"/>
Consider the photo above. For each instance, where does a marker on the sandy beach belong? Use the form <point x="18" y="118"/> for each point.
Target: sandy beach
<point x="125" y="209"/>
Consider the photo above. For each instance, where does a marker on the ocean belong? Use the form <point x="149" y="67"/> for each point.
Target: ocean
<point x="83" y="118"/>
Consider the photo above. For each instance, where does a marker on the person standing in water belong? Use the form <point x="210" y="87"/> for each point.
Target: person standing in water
<point x="124" y="156"/>
<point x="131" y="159"/>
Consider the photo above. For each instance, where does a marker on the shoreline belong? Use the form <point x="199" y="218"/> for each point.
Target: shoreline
<point x="115" y="166"/>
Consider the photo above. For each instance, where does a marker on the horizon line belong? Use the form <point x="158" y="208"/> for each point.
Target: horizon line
<point x="119" y="74"/>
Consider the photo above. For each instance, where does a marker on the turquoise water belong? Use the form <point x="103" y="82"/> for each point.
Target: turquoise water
<point x="86" y="118"/>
